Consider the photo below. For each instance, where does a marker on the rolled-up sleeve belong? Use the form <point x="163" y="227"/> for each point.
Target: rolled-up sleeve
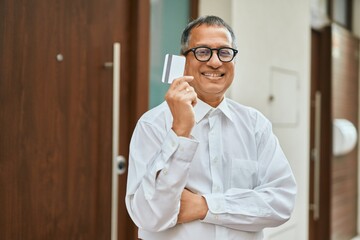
<point x="158" y="169"/>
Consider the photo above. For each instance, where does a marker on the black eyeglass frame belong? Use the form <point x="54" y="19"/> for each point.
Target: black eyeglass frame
<point x="211" y="53"/>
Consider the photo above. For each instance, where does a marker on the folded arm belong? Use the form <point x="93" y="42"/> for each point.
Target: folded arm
<point x="157" y="176"/>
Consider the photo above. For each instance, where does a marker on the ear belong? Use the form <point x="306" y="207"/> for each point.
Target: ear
<point x="187" y="67"/>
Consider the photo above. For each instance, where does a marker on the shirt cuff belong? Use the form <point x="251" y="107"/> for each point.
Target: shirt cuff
<point x="212" y="218"/>
<point x="216" y="203"/>
<point x="173" y="147"/>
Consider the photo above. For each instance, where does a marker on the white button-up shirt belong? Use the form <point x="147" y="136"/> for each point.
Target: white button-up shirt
<point x="233" y="159"/>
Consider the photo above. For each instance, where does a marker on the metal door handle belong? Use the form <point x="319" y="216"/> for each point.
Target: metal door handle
<point x="118" y="162"/>
<point x="315" y="206"/>
<point x="108" y="64"/>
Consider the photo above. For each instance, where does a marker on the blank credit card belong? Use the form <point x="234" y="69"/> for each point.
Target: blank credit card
<point x="174" y="66"/>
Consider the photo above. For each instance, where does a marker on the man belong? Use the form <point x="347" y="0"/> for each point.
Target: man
<point x="202" y="166"/>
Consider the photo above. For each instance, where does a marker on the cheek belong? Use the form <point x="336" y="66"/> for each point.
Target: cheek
<point x="231" y="76"/>
<point x="188" y="68"/>
<point x="231" y="72"/>
<point x="191" y="67"/>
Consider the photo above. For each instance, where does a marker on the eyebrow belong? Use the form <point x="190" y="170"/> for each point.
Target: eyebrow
<point x="204" y="45"/>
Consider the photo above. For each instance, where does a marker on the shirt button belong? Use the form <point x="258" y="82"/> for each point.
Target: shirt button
<point x="215" y="160"/>
<point x="165" y="171"/>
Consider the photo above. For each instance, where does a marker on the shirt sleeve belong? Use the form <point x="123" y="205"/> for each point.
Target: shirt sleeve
<point x="158" y="169"/>
<point x="269" y="204"/>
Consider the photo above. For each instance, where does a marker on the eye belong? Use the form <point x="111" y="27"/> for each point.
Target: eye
<point x="202" y="52"/>
<point x="226" y="52"/>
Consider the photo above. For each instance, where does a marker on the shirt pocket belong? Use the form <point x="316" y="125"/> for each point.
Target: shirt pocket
<point x="244" y="173"/>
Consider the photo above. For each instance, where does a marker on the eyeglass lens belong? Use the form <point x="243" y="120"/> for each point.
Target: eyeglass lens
<point x="204" y="54"/>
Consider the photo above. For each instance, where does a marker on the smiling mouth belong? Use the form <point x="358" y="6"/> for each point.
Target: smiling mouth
<point x="213" y="75"/>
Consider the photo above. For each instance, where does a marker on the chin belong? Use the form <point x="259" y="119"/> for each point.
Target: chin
<point x="215" y="90"/>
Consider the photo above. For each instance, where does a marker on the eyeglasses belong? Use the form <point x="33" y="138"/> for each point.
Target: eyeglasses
<point x="204" y="54"/>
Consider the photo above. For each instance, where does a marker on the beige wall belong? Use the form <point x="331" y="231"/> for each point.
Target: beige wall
<point x="215" y="7"/>
<point x="274" y="44"/>
<point x="356" y="17"/>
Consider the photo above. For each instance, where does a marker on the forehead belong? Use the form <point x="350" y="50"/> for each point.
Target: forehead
<point x="210" y="36"/>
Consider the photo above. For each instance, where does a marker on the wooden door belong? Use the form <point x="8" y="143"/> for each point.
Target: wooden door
<point x="320" y="135"/>
<point x="56" y="114"/>
<point x="334" y="74"/>
<point x="345" y="99"/>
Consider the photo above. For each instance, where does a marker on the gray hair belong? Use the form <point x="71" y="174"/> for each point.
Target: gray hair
<point x="207" y="20"/>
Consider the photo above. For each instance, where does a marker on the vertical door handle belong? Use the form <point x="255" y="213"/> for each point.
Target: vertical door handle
<point x="118" y="161"/>
<point x="315" y="206"/>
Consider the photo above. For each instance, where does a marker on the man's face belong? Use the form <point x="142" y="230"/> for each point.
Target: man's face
<point x="212" y="78"/>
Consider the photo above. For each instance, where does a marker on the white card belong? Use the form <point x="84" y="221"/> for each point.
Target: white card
<point x="174" y="66"/>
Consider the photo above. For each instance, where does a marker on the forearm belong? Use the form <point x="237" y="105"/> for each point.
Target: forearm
<point x="153" y="197"/>
<point x="192" y="207"/>
<point x="251" y="210"/>
<point x="158" y="210"/>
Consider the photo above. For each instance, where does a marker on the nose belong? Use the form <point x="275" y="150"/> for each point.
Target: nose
<point x="214" y="61"/>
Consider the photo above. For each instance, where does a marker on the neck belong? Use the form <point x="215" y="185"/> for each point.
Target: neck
<point x="212" y="101"/>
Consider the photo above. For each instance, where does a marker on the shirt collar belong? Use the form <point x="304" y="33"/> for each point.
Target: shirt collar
<point x="201" y="109"/>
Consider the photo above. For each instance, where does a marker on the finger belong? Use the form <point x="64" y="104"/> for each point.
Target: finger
<point x="192" y="95"/>
<point x="179" y="82"/>
<point x="194" y="101"/>
<point x="188" y="78"/>
<point x="182" y="87"/>
<point x="189" y="90"/>
<point x="184" y="79"/>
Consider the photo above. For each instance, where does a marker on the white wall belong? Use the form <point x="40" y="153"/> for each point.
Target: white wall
<point x="356" y="17"/>
<point x="275" y="35"/>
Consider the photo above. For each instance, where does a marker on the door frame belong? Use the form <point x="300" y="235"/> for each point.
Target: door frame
<point x="134" y="94"/>
<point x="320" y="228"/>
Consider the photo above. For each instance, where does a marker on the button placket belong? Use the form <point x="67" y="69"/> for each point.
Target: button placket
<point x="215" y="151"/>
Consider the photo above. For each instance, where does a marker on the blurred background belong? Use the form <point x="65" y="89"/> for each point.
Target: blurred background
<point x="76" y="75"/>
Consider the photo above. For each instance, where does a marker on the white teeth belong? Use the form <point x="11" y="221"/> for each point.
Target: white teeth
<point x="212" y="74"/>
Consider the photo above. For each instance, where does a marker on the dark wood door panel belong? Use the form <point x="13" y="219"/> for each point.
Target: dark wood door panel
<point x="334" y="72"/>
<point x="319" y="226"/>
<point x="345" y="98"/>
<point x="28" y="139"/>
<point x="56" y="117"/>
